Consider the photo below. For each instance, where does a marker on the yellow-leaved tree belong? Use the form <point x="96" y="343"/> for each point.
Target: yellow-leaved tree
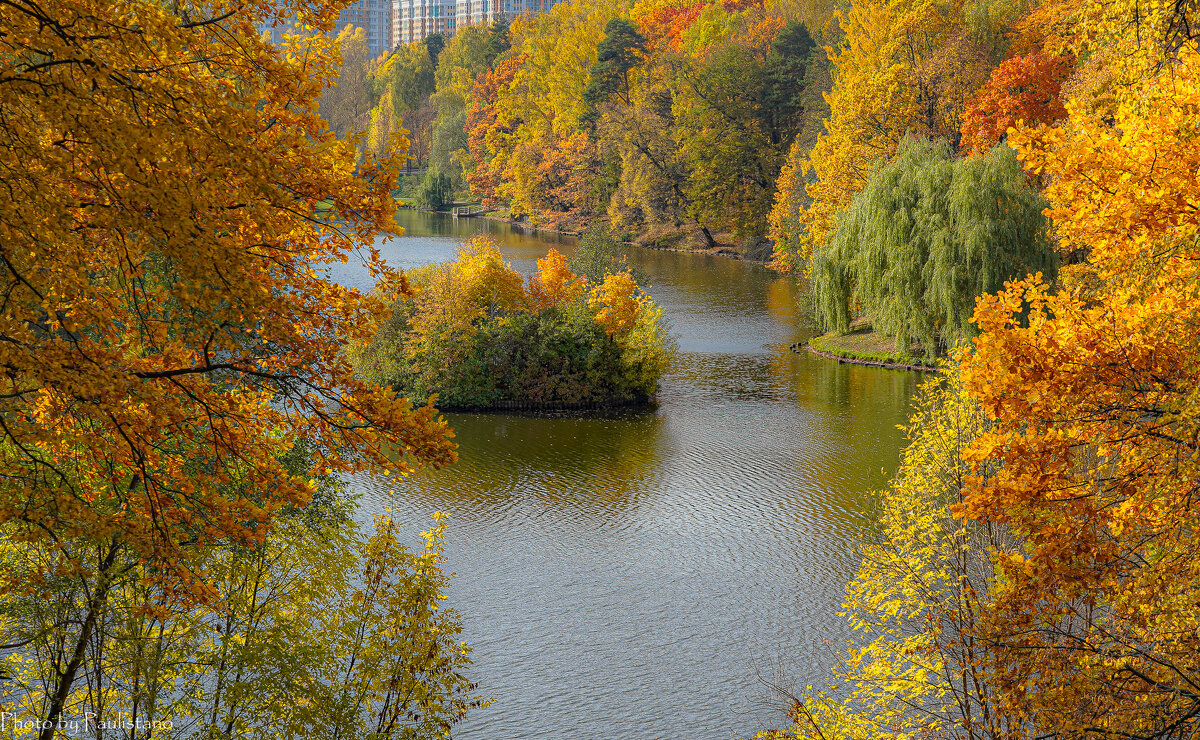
<point x="918" y="665"/>
<point x="544" y="162"/>
<point x="871" y="107"/>
<point x="1095" y="409"/>
<point x="1084" y="457"/>
<point x="168" y="329"/>
<point x="901" y="67"/>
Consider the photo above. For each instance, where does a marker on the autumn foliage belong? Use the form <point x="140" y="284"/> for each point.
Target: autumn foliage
<point x="475" y="335"/>
<point x="1100" y="451"/>
<point x="169" y="334"/>
<point x="483" y="133"/>
<point x="917" y="666"/>
<point x="1077" y="455"/>
<point x="183" y="385"/>
<point x="899" y="68"/>
<point x="665" y="22"/>
<point x="662" y="115"/>
<point x="166" y="313"/>
<point x="1023" y="89"/>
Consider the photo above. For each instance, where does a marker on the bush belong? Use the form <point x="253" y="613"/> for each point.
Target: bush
<point x="598" y="254"/>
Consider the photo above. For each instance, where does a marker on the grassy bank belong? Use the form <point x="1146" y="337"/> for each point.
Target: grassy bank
<point x="863" y="344"/>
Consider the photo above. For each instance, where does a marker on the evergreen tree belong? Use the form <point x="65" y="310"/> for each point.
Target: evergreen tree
<point x="620" y="51"/>
<point x="498" y="42"/>
<point x="434" y="43"/>
<point x="786" y="78"/>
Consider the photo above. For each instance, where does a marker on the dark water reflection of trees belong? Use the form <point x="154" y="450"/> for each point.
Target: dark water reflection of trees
<point x="625" y="575"/>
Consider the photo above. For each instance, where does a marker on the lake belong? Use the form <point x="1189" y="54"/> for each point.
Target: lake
<point x="640" y="574"/>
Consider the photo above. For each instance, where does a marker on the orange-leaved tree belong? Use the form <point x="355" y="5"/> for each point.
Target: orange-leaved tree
<point x="168" y="330"/>
<point x="484" y="136"/>
<point x="555" y="284"/>
<point x="1092" y="391"/>
<point x="1024" y="89"/>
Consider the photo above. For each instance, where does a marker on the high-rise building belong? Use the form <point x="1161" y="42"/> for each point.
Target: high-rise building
<point x="275" y="34"/>
<point x="413" y="20"/>
<point x="374" y="17"/>
<point x="390" y="23"/>
<point x="471" y="12"/>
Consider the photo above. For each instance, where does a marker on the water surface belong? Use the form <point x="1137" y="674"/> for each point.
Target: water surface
<point x="629" y="575"/>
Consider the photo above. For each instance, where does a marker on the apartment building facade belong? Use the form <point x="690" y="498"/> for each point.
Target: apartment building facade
<point x="413" y="20"/>
<point x="391" y="23"/>
<point x="471" y="12"/>
<point x="375" y="18"/>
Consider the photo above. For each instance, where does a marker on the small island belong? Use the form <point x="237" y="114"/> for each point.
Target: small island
<point x="474" y="335"/>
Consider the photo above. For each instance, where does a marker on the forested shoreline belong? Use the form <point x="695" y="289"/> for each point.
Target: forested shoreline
<point x="1007" y="187"/>
<point x="747" y="127"/>
<point x="668" y="122"/>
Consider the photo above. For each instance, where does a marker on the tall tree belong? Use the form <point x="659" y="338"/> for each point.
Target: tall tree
<point x="499" y="40"/>
<point x="168" y="326"/>
<point x="464" y="57"/>
<point x="652" y="186"/>
<point x="1095" y="405"/>
<point x="620" y="51"/>
<point x="786" y="81"/>
<point x="547" y="162"/>
<point x="402" y="86"/>
<point x="1023" y="89"/>
<point x="434" y="43"/>
<point x="484" y="135"/>
<point x="346" y="102"/>
<point x="409" y="74"/>
<point x="729" y="118"/>
<point x="925" y="237"/>
<point x="901" y="67"/>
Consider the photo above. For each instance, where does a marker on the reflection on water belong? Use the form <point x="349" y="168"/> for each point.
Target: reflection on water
<point x="624" y="576"/>
<point x="567" y="461"/>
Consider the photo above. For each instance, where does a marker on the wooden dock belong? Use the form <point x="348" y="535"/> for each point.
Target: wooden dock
<point x="467" y="211"/>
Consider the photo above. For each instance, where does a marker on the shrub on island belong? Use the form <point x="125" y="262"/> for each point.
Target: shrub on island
<point x="478" y="336"/>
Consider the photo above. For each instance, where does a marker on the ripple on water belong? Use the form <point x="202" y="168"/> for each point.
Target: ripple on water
<point x="625" y="576"/>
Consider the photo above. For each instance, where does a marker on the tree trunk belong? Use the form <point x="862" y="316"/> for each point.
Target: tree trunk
<point x="67" y="677"/>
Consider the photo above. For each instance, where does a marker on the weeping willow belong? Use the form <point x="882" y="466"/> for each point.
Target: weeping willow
<point x="926" y="236"/>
